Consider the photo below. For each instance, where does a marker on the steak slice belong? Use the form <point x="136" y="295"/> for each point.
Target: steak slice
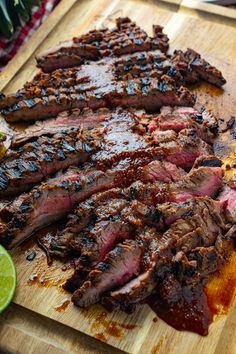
<point x="173" y="211"/>
<point x="204" y="181"/>
<point x="108" y="205"/>
<point x="133" y="210"/>
<point x="193" y="247"/>
<point x="94" y="246"/>
<point x="150" y="94"/>
<point x="228" y="199"/>
<point x="179" y="118"/>
<point x="98" y="235"/>
<point x="135" y="291"/>
<point x="92" y="78"/>
<point x="119" y="266"/>
<point x="181" y="149"/>
<point x="145" y="282"/>
<point x="117" y="137"/>
<point x="192" y="61"/>
<point x="49" y="202"/>
<point x="53" y="199"/>
<point x="42" y="156"/>
<point x="66" y="120"/>
<point x="160" y="171"/>
<point x="127" y="37"/>
<point x="116" y="205"/>
<point x="25" y="166"/>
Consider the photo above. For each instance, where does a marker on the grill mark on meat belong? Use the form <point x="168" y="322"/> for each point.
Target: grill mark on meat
<point x="90" y="209"/>
<point x="130" y="215"/>
<point x="179" y="118"/>
<point x="197" y="253"/>
<point x="68" y="189"/>
<point x="108" y="93"/>
<point x="117" y="137"/>
<point x="86" y="118"/>
<point x="127" y="37"/>
<point x="210" y="161"/>
<point x="190" y="59"/>
<point x="31" y="163"/>
<point x="182" y="151"/>
<point x="119" y="265"/>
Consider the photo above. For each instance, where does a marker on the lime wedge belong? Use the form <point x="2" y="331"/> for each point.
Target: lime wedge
<point x="7" y="278"/>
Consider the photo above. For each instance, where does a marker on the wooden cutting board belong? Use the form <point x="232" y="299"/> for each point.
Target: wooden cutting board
<point x="39" y="286"/>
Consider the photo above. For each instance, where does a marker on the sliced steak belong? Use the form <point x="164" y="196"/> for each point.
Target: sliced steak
<point x="108" y="206"/>
<point x="192" y="61"/>
<point x="204" y="181"/>
<point x="42" y="155"/>
<point x="99" y="235"/>
<point x="36" y="209"/>
<point x="227" y="198"/>
<point x="135" y="291"/>
<point x="173" y="211"/>
<point x="93" y="78"/>
<point x="127" y="37"/>
<point x="122" y="212"/>
<point x="102" y="90"/>
<point x="94" y="247"/>
<point x="181" y="149"/>
<point x="87" y="119"/>
<point x="144" y="226"/>
<point x="23" y="167"/>
<point x="119" y="266"/>
<point x="148" y="79"/>
<point x="122" y="206"/>
<point x="194" y="246"/>
<point x="179" y="118"/>
<point x="160" y="171"/>
<point x="143" y="285"/>
<point x="117" y="137"/>
<point x="49" y="202"/>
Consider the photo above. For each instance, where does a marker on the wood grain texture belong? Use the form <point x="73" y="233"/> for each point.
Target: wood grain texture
<point x="35" y="334"/>
<point x="220" y="11"/>
<point x="39" y="286"/>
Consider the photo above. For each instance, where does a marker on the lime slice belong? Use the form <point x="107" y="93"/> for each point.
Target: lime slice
<point x="7" y="278"/>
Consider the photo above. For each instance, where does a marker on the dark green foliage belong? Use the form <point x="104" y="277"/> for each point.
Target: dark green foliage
<point x="12" y="13"/>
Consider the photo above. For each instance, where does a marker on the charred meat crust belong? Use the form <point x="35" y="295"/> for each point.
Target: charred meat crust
<point x="150" y="94"/>
<point x="123" y="212"/>
<point x="29" y="164"/>
<point x="127" y="37"/>
<point x="134" y="70"/>
<point x="119" y="265"/>
<point x="113" y="136"/>
<point x="141" y="191"/>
